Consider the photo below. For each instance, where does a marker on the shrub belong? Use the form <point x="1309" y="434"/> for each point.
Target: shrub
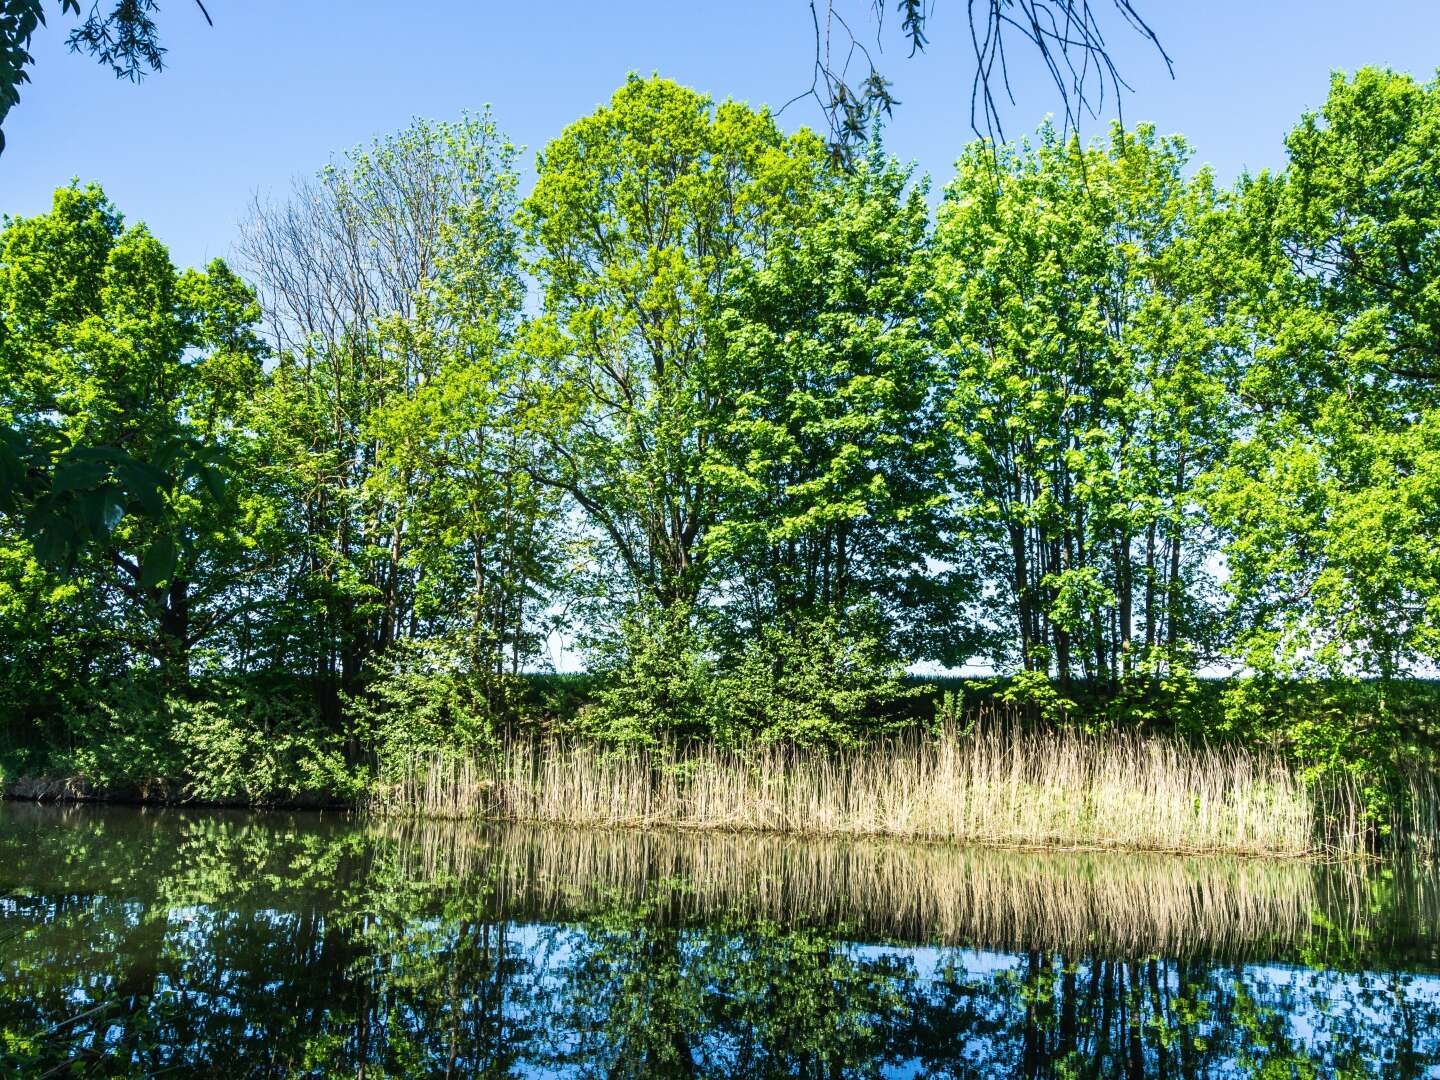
<point x="220" y="741"/>
<point x="424" y="698"/>
<point x="815" y="683"/>
<point x="655" y="680"/>
<point x="242" y="748"/>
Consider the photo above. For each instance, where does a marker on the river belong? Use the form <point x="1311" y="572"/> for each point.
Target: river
<point x="143" y="942"/>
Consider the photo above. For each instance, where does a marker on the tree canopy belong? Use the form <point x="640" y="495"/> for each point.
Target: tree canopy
<point x="753" y="432"/>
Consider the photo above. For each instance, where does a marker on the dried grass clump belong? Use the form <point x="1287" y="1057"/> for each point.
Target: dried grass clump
<point x="999" y="785"/>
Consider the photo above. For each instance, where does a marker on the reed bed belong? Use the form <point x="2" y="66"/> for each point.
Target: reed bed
<point x="1416" y="819"/>
<point x="998" y="785"/>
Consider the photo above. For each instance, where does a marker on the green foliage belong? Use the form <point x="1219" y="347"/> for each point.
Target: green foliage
<point x="764" y="435"/>
<point x="643" y="215"/>
<point x="1370" y="733"/>
<point x="1330" y="502"/>
<point x="1035" y="694"/>
<point x="817" y="682"/>
<point x="656" y="681"/>
<point x="390" y="430"/>
<point x="809" y="681"/>
<point x="122" y="375"/>
<point x="425" y="698"/>
<point x="1085" y="356"/>
<point x="234" y="747"/>
<point x="831" y="468"/>
<point x="224" y="742"/>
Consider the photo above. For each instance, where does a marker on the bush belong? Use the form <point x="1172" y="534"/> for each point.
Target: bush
<point x="238" y="748"/>
<point x="655" y="680"/>
<point x="423" y="698"/>
<point x="121" y="742"/>
<point x="1365" y="732"/>
<point x="810" y="681"/>
<point x="220" y="741"/>
<point x="815" y="682"/>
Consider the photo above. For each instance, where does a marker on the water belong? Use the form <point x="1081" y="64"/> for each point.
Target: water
<point x="145" y="943"/>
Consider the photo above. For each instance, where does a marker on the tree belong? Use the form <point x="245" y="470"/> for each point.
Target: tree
<point x="643" y="215"/>
<point x="108" y="349"/>
<point x="392" y="292"/>
<point x="833" y="464"/>
<point x="49" y="494"/>
<point x="1330" y="500"/>
<point x="1086" y="354"/>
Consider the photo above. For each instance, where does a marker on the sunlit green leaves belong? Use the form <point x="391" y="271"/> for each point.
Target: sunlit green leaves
<point x="1086" y="353"/>
<point x="123" y="383"/>
<point x="642" y="216"/>
<point x="1329" y="502"/>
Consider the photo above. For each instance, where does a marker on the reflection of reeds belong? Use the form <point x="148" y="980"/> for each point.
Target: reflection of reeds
<point x="999" y="786"/>
<point x="1131" y="904"/>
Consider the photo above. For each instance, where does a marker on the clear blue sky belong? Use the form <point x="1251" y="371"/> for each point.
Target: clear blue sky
<point x="278" y="86"/>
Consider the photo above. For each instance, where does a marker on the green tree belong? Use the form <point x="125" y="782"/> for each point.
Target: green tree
<point x="832" y="465"/>
<point x="109" y="349"/>
<point x="392" y="289"/>
<point x="641" y="218"/>
<point x="1330" y="500"/>
<point x="1086" y="352"/>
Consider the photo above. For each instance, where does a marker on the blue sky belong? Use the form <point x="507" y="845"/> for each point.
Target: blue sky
<point x="275" y="88"/>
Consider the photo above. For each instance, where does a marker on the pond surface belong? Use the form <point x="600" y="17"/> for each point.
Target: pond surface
<point x="147" y="943"/>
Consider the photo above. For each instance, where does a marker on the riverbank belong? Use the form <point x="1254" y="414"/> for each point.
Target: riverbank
<point x="999" y="787"/>
<point x="1003" y="785"/>
<point x="72" y="789"/>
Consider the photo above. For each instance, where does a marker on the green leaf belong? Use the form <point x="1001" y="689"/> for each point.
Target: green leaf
<point x="52" y="546"/>
<point x="100" y="511"/>
<point x="214" y="481"/>
<point x="146" y="485"/>
<point x="79" y="476"/>
<point x="159" y="562"/>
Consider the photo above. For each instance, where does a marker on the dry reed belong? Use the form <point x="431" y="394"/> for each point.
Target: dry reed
<point x="998" y="785"/>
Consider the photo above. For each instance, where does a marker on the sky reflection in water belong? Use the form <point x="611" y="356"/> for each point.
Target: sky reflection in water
<point x="178" y="943"/>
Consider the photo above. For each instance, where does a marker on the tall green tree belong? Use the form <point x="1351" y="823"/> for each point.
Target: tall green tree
<point x="110" y="349"/>
<point x="643" y="214"/>
<point x="392" y="290"/>
<point x="1086" y="356"/>
<point x="1330" y="499"/>
<point x="833" y="464"/>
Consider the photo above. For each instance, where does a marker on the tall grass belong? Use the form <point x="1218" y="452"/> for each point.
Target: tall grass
<point x="999" y="784"/>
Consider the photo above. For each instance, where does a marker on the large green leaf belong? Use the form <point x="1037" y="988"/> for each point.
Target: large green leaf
<point x="159" y="562"/>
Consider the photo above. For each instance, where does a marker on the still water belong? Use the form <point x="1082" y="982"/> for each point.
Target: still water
<point x="169" y="943"/>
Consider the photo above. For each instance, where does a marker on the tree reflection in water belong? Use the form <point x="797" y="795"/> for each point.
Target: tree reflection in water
<point x="142" y="943"/>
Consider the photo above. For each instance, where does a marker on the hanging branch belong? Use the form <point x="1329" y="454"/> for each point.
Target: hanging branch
<point x="124" y="37"/>
<point x="1068" y="35"/>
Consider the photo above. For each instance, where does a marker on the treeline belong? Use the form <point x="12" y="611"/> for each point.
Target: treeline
<point x="756" y="431"/>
